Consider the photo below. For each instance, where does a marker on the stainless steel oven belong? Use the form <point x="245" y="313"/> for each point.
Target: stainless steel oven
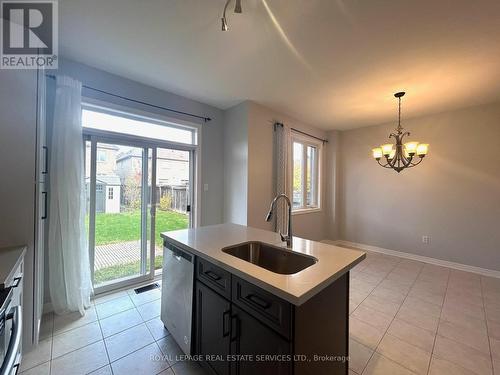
<point x="10" y="333"/>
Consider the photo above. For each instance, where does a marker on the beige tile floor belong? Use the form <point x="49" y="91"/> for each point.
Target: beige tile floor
<point x="121" y="334"/>
<point x="406" y="317"/>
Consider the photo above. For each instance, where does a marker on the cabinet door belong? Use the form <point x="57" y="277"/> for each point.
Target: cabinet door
<point x="270" y="354"/>
<point x="41" y="216"/>
<point x="42" y="157"/>
<point x="212" y="328"/>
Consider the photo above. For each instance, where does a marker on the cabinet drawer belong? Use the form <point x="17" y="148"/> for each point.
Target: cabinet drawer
<point x="213" y="276"/>
<point x="266" y="307"/>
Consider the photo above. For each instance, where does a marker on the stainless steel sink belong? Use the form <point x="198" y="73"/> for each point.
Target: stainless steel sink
<point x="272" y="258"/>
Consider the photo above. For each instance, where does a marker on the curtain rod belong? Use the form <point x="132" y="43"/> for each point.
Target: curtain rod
<point x="301" y="132"/>
<point x="205" y="119"/>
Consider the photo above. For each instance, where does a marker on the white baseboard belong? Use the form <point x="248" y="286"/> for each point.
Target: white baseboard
<point x="420" y="258"/>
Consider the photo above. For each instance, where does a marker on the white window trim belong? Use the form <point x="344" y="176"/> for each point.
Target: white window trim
<point x="307" y="141"/>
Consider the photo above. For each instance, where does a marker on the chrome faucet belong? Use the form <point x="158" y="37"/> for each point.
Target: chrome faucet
<point x="288" y="236"/>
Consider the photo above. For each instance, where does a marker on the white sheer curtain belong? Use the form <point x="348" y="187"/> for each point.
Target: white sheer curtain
<point x="69" y="269"/>
<point x="281" y="173"/>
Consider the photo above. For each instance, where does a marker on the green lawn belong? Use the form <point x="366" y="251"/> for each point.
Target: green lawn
<point x="126" y="226"/>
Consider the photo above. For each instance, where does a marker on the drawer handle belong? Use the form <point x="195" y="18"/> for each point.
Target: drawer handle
<point x="16" y="282"/>
<point x="256" y="300"/>
<point x="212" y="275"/>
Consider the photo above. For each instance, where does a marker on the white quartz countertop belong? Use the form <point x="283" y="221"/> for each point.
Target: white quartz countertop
<point x="208" y="242"/>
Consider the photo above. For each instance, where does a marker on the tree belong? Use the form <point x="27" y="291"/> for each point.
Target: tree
<point x="132" y="193"/>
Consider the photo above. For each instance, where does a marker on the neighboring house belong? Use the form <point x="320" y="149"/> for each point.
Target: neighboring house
<point x="118" y="177"/>
<point x="172" y="174"/>
<point x="106" y="159"/>
<point x="108" y="184"/>
<point x="172" y="166"/>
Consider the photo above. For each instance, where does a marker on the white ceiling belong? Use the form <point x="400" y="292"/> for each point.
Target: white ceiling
<point x="337" y="69"/>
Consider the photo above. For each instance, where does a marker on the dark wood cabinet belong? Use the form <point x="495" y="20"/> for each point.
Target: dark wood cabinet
<point x="241" y="329"/>
<point x="260" y="349"/>
<point x="266" y="307"/>
<point x="215" y="277"/>
<point x="213" y="328"/>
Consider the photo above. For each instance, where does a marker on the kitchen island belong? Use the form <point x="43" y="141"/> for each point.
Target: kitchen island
<point x="253" y="313"/>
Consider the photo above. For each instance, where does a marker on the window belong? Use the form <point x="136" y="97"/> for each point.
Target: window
<point x="101" y="155"/>
<point x="110" y="193"/>
<point x="114" y="121"/>
<point x="305" y="174"/>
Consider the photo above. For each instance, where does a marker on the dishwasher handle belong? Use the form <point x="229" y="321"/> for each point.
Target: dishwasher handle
<point x="179" y="254"/>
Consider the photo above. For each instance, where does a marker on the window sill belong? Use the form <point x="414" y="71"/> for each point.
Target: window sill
<point x="302" y="211"/>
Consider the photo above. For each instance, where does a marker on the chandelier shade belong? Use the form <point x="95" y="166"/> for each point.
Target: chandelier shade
<point x="399" y="156"/>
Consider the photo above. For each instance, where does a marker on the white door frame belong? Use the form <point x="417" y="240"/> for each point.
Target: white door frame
<point x="98" y="136"/>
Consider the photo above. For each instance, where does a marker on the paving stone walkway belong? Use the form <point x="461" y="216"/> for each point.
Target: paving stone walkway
<point x="119" y="253"/>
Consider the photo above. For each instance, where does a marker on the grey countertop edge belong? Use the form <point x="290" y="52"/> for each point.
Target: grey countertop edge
<point x="21" y="250"/>
<point x="295" y="300"/>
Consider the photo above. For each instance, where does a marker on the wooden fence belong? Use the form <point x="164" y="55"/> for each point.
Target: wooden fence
<point x="179" y="196"/>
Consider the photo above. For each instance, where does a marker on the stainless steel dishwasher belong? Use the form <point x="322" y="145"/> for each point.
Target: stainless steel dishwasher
<point x="177" y="294"/>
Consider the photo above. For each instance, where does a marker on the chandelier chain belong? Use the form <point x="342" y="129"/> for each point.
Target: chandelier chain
<point x="400" y="129"/>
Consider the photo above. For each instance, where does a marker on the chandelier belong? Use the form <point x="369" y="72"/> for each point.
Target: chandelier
<point x="399" y="156"/>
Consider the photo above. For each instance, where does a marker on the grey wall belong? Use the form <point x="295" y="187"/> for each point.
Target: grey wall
<point x="236" y="164"/>
<point x="260" y="171"/>
<point x="249" y="126"/>
<point x="453" y="196"/>
<point x="332" y="185"/>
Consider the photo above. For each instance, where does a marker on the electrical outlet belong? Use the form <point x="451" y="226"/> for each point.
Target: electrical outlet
<point x="205" y="187"/>
<point x="426" y="239"/>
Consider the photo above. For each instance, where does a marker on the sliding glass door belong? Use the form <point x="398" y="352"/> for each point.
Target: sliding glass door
<point x="172" y="193"/>
<point x="126" y="214"/>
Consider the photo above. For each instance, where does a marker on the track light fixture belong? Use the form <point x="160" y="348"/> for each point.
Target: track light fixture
<point x="237" y="6"/>
<point x="237" y="9"/>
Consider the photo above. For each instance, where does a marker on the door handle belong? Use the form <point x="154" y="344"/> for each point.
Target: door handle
<point x="235" y="328"/>
<point x="44" y="193"/>
<point x="225" y="323"/>
<point x="46" y="160"/>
